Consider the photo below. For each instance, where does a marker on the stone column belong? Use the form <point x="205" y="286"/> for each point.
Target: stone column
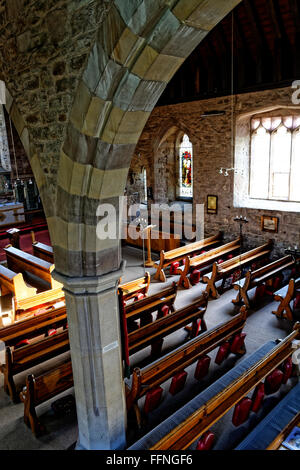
<point x="94" y="332"/>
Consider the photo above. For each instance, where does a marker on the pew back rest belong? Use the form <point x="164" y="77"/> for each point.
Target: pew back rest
<point x="42" y="251"/>
<point x="50" y="384"/>
<point x="211" y="254"/>
<point x="14" y="283"/>
<point x="162" y="327"/>
<point x="35" y="353"/>
<point x="152" y="302"/>
<point x="181" y="252"/>
<point x="20" y="261"/>
<point x="164" y="368"/>
<point x="246" y="257"/>
<point x="131" y="288"/>
<point x="279" y="264"/>
<point x="33" y="326"/>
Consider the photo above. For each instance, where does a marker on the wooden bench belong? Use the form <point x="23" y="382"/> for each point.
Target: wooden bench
<point x="142" y="309"/>
<point x="159" y="329"/>
<point x="42" y="251"/>
<point x="33" y="326"/>
<point x="223" y="270"/>
<point x="260" y="276"/>
<point x="19" y="261"/>
<point x="201" y="261"/>
<point x="166" y="367"/>
<point x="41" y="389"/>
<point x="137" y="286"/>
<point x="19" y="360"/>
<point x="185" y="434"/>
<point x="285" y="295"/>
<point x="169" y="257"/>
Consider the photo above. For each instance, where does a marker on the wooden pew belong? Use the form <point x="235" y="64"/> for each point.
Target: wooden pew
<point x="201" y="261"/>
<point x="159" y="329"/>
<point x="137" y="286"/>
<point x="42" y="388"/>
<point x="19" y="360"/>
<point x="185" y="434"/>
<point x="223" y="270"/>
<point x="19" y="261"/>
<point x="167" y="258"/>
<point x="166" y="367"/>
<point x="33" y="326"/>
<point x="24" y="297"/>
<point x="259" y="276"/>
<point x="42" y="251"/>
<point x="285" y="295"/>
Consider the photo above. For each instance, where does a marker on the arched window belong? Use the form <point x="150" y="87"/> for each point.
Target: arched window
<point x="275" y="158"/>
<point x="186" y="168"/>
<point x="145" y="184"/>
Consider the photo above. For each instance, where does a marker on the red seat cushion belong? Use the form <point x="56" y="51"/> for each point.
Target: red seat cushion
<point x="260" y="291"/>
<point x="163" y="311"/>
<point x="229" y="256"/>
<point x="202" y="367"/>
<point x="296" y="303"/>
<point x="21" y="343"/>
<point x="152" y="400"/>
<point x="287" y="369"/>
<point x="195" y="277"/>
<point x="258" y="397"/>
<point x="51" y="332"/>
<point x="156" y="348"/>
<point x="223" y="352"/>
<point x="220" y="261"/>
<point x="241" y="411"/>
<point x="202" y="252"/>
<point x="139" y="296"/>
<point x="195" y="329"/>
<point x="237" y="343"/>
<point x="273" y="381"/>
<point x="178" y="382"/>
<point x="206" y="441"/>
<point x="174" y="267"/>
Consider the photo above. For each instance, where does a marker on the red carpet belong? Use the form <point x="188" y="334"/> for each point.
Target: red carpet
<point x="26" y="242"/>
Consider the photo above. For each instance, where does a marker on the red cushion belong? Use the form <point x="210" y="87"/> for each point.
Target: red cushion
<point x="139" y="296"/>
<point x="195" y="277"/>
<point x="202" y="367"/>
<point x="206" y="441"/>
<point x="260" y="291"/>
<point x="196" y="326"/>
<point x="237" y="343"/>
<point x="156" y="348"/>
<point x="223" y="352"/>
<point x="229" y="256"/>
<point x="220" y="261"/>
<point x="287" y="368"/>
<point x="174" y="267"/>
<point x="258" y="397"/>
<point x="202" y="252"/>
<point x="296" y="304"/>
<point x="163" y="311"/>
<point x="241" y="411"/>
<point x="178" y="382"/>
<point x="152" y="400"/>
<point x="51" y="332"/>
<point x="273" y="381"/>
<point x="21" y="343"/>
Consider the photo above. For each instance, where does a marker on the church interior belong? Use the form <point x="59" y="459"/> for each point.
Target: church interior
<point x="149" y="225"/>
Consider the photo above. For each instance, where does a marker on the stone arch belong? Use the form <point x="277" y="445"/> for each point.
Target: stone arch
<point x="138" y="48"/>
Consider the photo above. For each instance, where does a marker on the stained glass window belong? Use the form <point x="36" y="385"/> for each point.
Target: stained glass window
<point x="186" y="168"/>
<point x="275" y="158"/>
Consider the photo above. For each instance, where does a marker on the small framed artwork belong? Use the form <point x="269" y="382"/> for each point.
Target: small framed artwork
<point x="269" y="224"/>
<point x="212" y="204"/>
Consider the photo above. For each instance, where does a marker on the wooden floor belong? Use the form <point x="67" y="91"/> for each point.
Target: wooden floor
<point x="261" y="327"/>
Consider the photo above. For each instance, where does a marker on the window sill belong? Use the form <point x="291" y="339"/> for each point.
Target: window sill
<point x="269" y="205"/>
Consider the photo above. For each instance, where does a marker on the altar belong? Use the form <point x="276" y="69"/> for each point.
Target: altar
<point x="11" y="213"/>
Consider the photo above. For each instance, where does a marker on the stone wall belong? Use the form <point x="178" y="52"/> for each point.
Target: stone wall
<point x="212" y="147"/>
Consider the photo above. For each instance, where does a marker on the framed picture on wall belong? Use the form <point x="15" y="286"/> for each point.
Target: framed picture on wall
<point x="212" y="204"/>
<point x="269" y="224"/>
